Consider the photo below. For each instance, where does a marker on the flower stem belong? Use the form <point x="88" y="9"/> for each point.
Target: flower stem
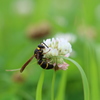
<point x="62" y="85"/>
<point x="39" y="86"/>
<point x="94" y="78"/>
<point x="52" y="85"/>
<point x="84" y="78"/>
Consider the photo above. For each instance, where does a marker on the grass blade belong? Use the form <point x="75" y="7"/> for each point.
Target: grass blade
<point x="84" y="78"/>
<point x="62" y="85"/>
<point x="94" y="78"/>
<point x="52" y="86"/>
<point x="39" y="86"/>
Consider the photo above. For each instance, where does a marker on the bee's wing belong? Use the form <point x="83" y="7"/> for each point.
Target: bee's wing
<point x="24" y="66"/>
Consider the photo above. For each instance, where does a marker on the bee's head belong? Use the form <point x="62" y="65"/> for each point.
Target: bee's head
<point x="41" y="46"/>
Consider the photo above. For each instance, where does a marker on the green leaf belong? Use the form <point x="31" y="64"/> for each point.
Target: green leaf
<point x="62" y="85"/>
<point x="39" y="86"/>
<point x="84" y="78"/>
<point x="52" y="85"/>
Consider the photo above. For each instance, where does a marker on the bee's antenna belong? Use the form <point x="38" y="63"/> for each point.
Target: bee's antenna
<point x="45" y="44"/>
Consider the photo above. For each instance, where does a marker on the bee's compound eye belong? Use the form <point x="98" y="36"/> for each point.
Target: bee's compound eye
<point x="41" y="46"/>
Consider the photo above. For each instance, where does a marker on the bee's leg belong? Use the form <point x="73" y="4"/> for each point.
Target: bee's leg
<point x="46" y="59"/>
<point x="47" y="51"/>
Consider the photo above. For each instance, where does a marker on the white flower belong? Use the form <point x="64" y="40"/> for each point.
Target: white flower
<point x="57" y="47"/>
<point x="63" y="66"/>
<point x="23" y="7"/>
<point x="68" y="36"/>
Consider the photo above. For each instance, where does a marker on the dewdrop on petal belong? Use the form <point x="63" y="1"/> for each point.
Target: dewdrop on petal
<point x="57" y="47"/>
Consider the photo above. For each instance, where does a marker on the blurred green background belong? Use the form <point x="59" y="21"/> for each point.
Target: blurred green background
<point x="21" y="24"/>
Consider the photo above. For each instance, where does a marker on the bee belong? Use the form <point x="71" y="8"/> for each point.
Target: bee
<point x="38" y="54"/>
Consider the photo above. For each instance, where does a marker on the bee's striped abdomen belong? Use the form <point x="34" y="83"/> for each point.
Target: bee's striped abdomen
<point x="45" y="65"/>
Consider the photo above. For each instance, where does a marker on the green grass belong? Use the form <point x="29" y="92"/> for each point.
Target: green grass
<point x="84" y="78"/>
<point x="68" y="16"/>
<point x="39" y="86"/>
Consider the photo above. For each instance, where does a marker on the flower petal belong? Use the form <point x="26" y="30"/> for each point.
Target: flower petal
<point x="63" y="66"/>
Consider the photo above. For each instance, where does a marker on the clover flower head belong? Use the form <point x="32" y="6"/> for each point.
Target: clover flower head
<point x="57" y="47"/>
<point x="23" y="7"/>
<point x="70" y="37"/>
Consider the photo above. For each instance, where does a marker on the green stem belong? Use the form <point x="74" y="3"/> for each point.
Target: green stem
<point x="52" y="86"/>
<point x="94" y="78"/>
<point x="62" y="85"/>
<point x="39" y="86"/>
<point x="84" y="78"/>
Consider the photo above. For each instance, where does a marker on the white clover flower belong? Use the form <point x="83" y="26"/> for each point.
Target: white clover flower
<point x="57" y="47"/>
<point x="67" y="36"/>
<point x="23" y="7"/>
